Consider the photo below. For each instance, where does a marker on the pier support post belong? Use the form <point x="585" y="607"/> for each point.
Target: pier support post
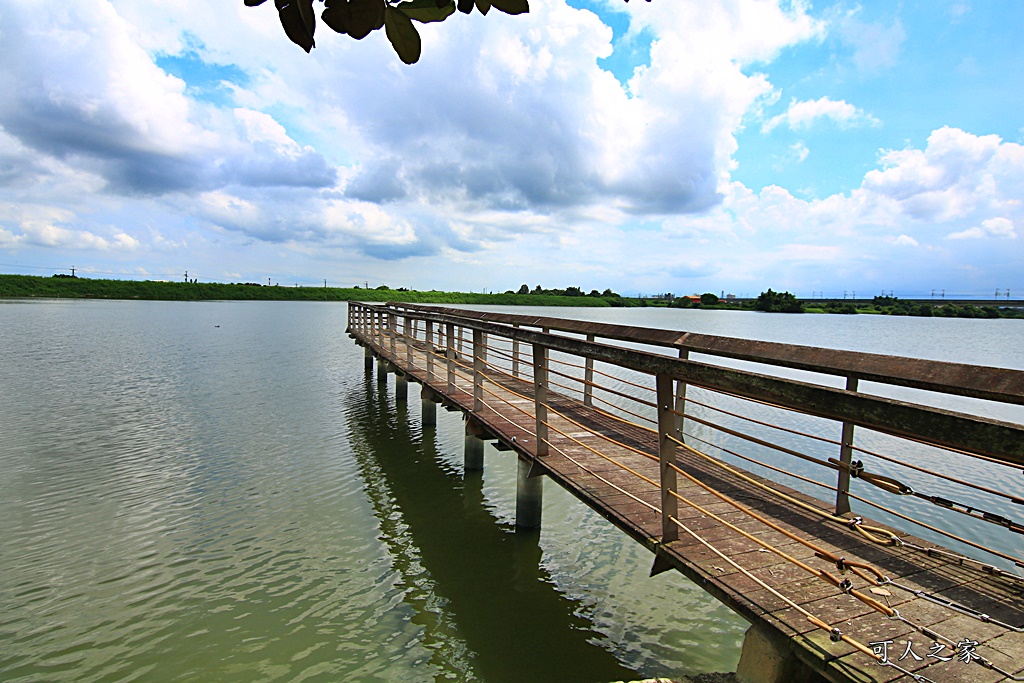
<point x="769" y="659"/>
<point x="474" y="455"/>
<point x="368" y="358"/>
<point x="401" y="387"/>
<point x="529" y="497"/>
<point x="429" y="404"/>
<point x="382" y="371"/>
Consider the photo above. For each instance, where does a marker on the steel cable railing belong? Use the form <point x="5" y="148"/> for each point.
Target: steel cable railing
<point x="474" y="375"/>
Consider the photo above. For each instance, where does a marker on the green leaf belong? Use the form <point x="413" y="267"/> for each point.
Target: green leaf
<point x="308" y="18"/>
<point x="511" y="6"/>
<point x="337" y="15"/>
<point x="367" y="15"/>
<point x="403" y="35"/>
<point x="298" y="21"/>
<point x="484" y="6"/>
<point x="426" y="11"/>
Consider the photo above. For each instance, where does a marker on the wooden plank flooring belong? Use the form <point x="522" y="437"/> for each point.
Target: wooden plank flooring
<point x="631" y="503"/>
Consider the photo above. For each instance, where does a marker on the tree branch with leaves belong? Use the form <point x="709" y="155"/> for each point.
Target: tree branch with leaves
<point x="358" y="18"/>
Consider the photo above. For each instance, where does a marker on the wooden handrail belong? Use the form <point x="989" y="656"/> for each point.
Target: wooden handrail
<point x="1004" y="385"/>
<point x="999" y="440"/>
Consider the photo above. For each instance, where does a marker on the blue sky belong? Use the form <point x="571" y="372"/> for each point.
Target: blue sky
<point x="676" y="146"/>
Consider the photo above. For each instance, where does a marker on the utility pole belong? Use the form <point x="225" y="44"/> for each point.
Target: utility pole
<point x="72" y="271"/>
<point x="186" y="276"/>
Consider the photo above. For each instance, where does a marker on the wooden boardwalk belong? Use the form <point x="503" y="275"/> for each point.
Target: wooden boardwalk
<point x="613" y="467"/>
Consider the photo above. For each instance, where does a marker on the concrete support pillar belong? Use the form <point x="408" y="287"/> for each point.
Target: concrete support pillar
<point x="429" y="408"/>
<point x="474" y="456"/>
<point x="767" y="658"/>
<point x="382" y="371"/>
<point x="401" y="387"/>
<point x="529" y="497"/>
<point x="368" y="358"/>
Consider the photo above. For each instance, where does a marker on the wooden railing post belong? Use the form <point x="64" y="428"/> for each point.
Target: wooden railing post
<point x="430" y="350"/>
<point x="479" y="354"/>
<point x="680" y="419"/>
<point x="450" y="355"/>
<point x="667" y="458"/>
<point x="845" y="459"/>
<point x="410" y="337"/>
<point x="382" y="363"/>
<point x="540" y="397"/>
<point x="515" y="355"/>
<point x="588" y="378"/>
<point x="393" y="331"/>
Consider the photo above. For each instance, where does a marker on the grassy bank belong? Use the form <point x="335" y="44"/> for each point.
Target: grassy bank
<point x="25" y="286"/>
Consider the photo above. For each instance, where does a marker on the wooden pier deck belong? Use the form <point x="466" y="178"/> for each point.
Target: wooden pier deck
<point x="771" y="553"/>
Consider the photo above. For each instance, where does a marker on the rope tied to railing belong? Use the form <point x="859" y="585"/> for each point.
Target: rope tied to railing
<point x="885" y="483"/>
<point x="842" y="565"/>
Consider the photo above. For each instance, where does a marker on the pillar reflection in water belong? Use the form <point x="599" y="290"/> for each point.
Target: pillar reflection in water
<point x="487" y="591"/>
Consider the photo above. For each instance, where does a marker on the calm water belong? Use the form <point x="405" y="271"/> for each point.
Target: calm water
<point x="217" y="491"/>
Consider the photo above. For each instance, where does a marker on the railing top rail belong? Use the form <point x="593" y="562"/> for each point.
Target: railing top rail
<point x="971" y="434"/>
<point x="1004" y="385"/>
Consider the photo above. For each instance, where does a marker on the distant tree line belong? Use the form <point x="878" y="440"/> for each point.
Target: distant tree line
<point x="568" y="291"/>
<point x="770" y="301"/>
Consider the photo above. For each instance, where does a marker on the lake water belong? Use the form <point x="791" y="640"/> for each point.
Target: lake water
<point x="218" y="491"/>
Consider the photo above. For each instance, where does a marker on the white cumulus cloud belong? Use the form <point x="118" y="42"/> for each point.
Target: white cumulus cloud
<point x="990" y="227"/>
<point x="806" y="113"/>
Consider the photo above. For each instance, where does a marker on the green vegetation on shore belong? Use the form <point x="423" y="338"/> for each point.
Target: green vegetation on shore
<point x="67" y="287"/>
<point x="891" y="305"/>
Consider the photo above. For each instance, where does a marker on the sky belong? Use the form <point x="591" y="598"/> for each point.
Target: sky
<point x="827" y="149"/>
